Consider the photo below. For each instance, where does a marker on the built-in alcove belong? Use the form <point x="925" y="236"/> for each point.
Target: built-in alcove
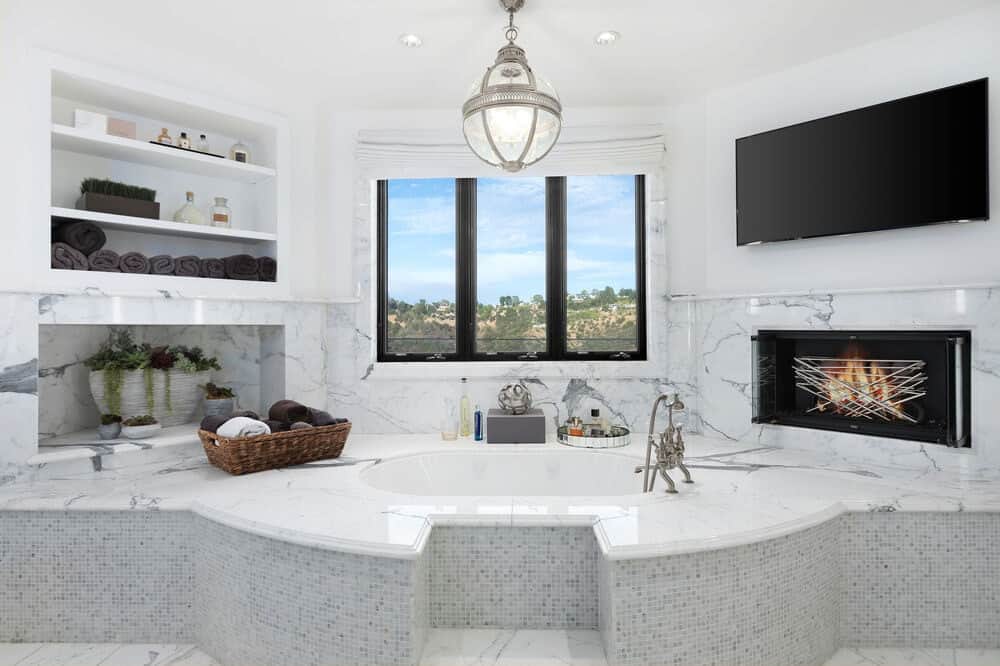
<point x="251" y="356"/>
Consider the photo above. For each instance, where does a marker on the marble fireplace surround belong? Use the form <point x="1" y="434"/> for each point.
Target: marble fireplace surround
<point x="710" y="355"/>
<point x="290" y="364"/>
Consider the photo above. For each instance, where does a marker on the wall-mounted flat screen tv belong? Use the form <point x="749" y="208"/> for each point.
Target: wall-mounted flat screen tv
<point x="913" y="161"/>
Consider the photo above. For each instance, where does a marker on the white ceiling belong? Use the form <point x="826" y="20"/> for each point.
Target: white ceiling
<point x="347" y="50"/>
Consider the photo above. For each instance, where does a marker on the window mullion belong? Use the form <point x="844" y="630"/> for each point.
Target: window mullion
<point x="555" y="257"/>
<point x="465" y="267"/>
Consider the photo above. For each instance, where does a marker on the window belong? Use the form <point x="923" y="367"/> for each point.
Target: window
<point x="511" y="269"/>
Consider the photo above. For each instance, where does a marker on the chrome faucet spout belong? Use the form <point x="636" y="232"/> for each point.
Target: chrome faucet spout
<point x="669" y="446"/>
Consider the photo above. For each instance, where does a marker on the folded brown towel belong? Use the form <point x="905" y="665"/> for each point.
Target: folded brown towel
<point x="105" y="260"/>
<point x="249" y="413"/>
<point x="85" y="237"/>
<point x="299" y="425"/>
<point x="320" y="418"/>
<point x="134" y="262"/>
<point x="161" y="264"/>
<point x="187" y="266"/>
<point x="288" y="411"/>
<point x="267" y="268"/>
<point x="241" y="267"/>
<point x="212" y="423"/>
<point x="213" y="268"/>
<point x="64" y="256"/>
<point x="276" y="426"/>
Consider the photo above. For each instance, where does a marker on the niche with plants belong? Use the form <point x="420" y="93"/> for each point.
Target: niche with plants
<point x="133" y="379"/>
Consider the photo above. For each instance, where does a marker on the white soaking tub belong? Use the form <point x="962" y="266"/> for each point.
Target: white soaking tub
<point x="551" y="472"/>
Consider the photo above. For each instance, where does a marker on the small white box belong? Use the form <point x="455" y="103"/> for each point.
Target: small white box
<point x="90" y="122"/>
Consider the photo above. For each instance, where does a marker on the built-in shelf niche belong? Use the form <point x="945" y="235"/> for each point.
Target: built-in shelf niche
<point x="252" y="359"/>
<point x="256" y="192"/>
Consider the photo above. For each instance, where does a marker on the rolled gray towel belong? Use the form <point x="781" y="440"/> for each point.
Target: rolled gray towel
<point x="161" y="264"/>
<point x="85" y="237"/>
<point x="187" y="266"/>
<point x="213" y="268"/>
<point x="212" y="423"/>
<point x="299" y="425"/>
<point x="276" y="426"/>
<point x="320" y="418"/>
<point x="134" y="262"/>
<point x="105" y="260"/>
<point x="66" y="257"/>
<point x="267" y="268"/>
<point x="241" y="267"/>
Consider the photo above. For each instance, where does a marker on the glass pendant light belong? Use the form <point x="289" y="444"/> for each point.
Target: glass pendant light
<point x="513" y="115"/>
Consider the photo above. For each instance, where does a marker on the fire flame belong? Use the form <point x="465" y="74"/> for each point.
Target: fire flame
<point x="857" y="383"/>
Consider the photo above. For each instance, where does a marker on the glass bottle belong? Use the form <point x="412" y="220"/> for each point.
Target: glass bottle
<point x="203" y="143"/>
<point x="164" y="138"/>
<point x="222" y="215"/>
<point x="465" y="411"/>
<point x="189" y="213"/>
<point x="183" y="141"/>
<point x="239" y="153"/>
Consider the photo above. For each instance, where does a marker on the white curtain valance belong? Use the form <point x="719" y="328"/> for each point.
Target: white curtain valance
<point x="579" y="151"/>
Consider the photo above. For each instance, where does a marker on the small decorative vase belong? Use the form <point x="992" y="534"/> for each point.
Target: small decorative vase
<point x="141" y="432"/>
<point x="219" y="407"/>
<point x="109" y="431"/>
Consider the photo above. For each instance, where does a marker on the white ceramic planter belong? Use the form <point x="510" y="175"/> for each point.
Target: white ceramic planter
<point x="185" y="395"/>
<point x="141" y="432"/>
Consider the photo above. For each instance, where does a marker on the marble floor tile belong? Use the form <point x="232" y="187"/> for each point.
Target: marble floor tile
<point x="913" y="657"/>
<point x="507" y="647"/>
<point x="101" y="654"/>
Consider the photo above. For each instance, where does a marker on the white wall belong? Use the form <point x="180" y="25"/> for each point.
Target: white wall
<point x="701" y="157"/>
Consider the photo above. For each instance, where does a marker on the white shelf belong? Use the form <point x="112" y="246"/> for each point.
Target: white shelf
<point x="162" y="227"/>
<point x="150" y="154"/>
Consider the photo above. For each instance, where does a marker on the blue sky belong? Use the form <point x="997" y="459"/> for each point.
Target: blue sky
<point x="511" y="236"/>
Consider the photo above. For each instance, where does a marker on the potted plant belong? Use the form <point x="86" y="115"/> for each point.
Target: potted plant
<point x="108" y="196"/>
<point x="111" y="426"/>
<point x="218" y="400"/>
<point x="130" y="378"/>
<point x="140" y="427"/>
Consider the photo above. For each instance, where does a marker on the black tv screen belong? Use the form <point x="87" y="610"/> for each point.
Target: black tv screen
<point x="913" y="161"/>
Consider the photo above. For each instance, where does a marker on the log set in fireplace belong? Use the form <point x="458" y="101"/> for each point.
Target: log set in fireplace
<point x="905" y="384"/>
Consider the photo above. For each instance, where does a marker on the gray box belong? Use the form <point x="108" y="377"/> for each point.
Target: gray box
<point x="504" y="428"/>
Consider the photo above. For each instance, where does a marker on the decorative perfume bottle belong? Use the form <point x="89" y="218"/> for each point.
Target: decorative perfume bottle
<point x="183" y="141"/>
<point x="222" y="215"/>
<point x="164" y="138"/>
<point x="239" y="153"/>
<point x="203" y="144"/>
<point x="464" y="411"/>
<point x="189" y="212"/>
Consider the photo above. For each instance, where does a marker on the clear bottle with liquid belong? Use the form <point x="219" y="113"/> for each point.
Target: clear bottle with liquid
<point x="203" y="144"/>
<point x="465" y="411"/>
<point x="479" y="425"/>
<point x="189" y="213"/>
<point x="222" y="215"/>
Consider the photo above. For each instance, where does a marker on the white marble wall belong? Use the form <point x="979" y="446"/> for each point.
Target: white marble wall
<point x="290" y="357"/>
<point x="397" y="398"/>
<point x="711" y="349"/>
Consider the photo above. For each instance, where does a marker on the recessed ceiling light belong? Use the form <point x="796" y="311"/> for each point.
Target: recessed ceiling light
<point x="410" y="40"/>
<point x="606" y="37"/>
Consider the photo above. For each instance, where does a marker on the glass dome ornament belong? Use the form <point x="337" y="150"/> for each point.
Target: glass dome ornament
<point x="512" y="117"/>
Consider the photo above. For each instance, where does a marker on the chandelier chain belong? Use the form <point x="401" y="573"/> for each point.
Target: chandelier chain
<point x="511" y="33"/>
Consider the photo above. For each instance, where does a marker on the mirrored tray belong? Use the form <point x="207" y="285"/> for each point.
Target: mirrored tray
<point x="620" y="436"/>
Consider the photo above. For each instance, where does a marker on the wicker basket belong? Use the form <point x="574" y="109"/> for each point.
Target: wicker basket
<point x="244" y="455"/>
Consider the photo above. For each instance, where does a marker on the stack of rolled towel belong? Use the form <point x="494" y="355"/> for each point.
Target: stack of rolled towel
<point x="79" y="246"/>
<point x="283" y="415"/>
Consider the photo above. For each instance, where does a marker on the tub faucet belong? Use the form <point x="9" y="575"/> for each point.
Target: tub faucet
<point x="669" y="446"/>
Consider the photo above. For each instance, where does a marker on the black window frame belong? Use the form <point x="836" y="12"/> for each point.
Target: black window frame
<point x="465" y="281"/>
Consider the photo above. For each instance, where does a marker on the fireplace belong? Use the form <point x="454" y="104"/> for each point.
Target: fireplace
<point x="911" y="385"/>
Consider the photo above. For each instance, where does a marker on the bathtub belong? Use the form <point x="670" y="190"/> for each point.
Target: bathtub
<point x="549" y="472"/>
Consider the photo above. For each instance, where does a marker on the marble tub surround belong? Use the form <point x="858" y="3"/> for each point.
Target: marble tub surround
<point x="331" y="556"/>
<point x="711" y="355"/>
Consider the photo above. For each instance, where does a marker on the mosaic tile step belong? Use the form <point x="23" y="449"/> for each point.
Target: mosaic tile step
<point x="913" y="657"/>
<point x="504" y="647"/>
<point x="101" y="654"/>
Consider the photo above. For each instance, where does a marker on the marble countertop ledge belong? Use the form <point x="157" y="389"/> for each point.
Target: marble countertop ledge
<point x="740" y="495"/>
